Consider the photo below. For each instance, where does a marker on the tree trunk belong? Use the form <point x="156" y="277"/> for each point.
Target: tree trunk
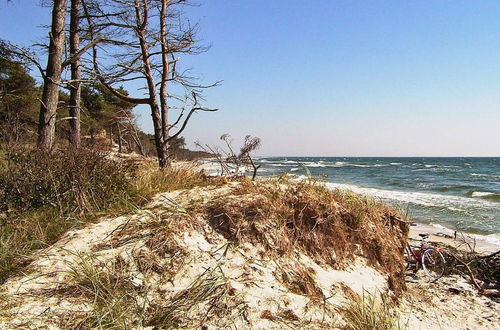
<point x="52" y="80"/>
<point x="75" y="90"/>
<point x="164" y="79"/>
<point x="119" y="138"/>
<point x="141" y="19"/>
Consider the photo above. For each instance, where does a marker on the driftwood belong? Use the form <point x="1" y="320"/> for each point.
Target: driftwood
<point x="471" y="274"/>
<point x="481" y="268"/>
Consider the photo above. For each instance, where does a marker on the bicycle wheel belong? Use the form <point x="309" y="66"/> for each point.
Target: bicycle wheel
<point x="433" y="263"/>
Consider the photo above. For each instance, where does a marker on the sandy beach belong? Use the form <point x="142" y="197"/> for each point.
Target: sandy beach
<point x="456" y="239"/>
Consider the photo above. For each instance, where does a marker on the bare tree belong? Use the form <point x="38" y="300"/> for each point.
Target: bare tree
<point x="143" y="41"/>
<point x="232" y="163"/>
<point x="249" y="145"/>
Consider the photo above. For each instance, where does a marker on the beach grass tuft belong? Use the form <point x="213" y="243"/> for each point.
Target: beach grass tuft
<point x="367" y="312"/>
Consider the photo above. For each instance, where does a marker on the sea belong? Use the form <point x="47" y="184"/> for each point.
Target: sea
<point x="460" y="194"/>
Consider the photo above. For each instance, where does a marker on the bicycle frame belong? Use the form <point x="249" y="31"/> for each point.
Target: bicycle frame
<point x="416" y="254"/>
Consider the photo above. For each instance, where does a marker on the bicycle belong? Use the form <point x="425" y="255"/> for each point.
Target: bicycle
<point x="429" y="258"/>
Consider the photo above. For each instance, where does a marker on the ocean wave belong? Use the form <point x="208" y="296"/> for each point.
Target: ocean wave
<point x="485" y="195"/>
<point x="290" y="162"/>
<point x="481" y="175"/>
<point x="452" y="203"/>
<point x="455" y="187"/>
<point x="366" y="165"/>
<point x="314" y="164"/>
<point x="294" y="169"/>
<point x="481" y="193"/>
<point x="396" y="164"/>
<point x="301" y="178"/>
<point x="280" y="165"/>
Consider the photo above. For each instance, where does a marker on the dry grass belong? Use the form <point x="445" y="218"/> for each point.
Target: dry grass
<point x="208" y="298"/>
<point x="114" y="299"/>
<point x="150" y="180"/>
<point x="21" y="235"/>
<point x="331" y="227"/>
<point x="24" y="233"/>
<point x="367" y="313"/>
<point x="300" y="280"/>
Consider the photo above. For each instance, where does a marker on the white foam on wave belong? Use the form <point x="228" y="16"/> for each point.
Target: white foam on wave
<point x="396" y="163"/>
<point x="280" y="165"/>
<point x="453" y="203"/>
<point x="314" y="164"/>
<point x="294" y="169"/>
<point x="301" y="178"/>
<point x="486" y="175"/>
<point x="482" y="193"/>
<point x="366" y="165"/>
<point x="440" y="166"/>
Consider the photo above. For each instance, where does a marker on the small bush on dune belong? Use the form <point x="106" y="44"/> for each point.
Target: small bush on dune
<point x="73" y="181"/>
<point x="332" y="227"/>
<point x="150" y="180"/>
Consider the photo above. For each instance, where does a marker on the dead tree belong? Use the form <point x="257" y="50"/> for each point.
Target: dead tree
<point x="231" y="162"/>
<point x="145" y="38"/>
<point x="251" y="144"/>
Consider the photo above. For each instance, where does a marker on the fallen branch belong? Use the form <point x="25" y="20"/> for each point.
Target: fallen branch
<point x="471" y="274"/>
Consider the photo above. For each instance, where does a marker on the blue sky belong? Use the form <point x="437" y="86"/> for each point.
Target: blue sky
<point x="339" y="78"/>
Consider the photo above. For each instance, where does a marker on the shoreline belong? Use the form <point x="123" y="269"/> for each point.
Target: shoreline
<point x="440" y="234"/>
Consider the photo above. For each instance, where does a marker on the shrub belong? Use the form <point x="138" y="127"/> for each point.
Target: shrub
<point x="330" y="226"/>
<point x="73" y="180"/>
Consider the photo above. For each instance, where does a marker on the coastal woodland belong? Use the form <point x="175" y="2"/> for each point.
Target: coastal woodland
<point x="103" y="225"/>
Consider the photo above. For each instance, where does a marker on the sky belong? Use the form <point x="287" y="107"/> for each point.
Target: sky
<point x="337" y="78"/>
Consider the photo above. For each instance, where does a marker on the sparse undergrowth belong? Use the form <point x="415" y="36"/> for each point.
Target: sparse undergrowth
<point x="210" y="297"/>
<point x="133" y="277"/>
<point x="115" y="301"/>
<point x="43" y="196"/>
<point x="330" y="226"/>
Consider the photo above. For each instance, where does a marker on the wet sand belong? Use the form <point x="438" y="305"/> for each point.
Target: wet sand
<point x="449" y="237"/>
